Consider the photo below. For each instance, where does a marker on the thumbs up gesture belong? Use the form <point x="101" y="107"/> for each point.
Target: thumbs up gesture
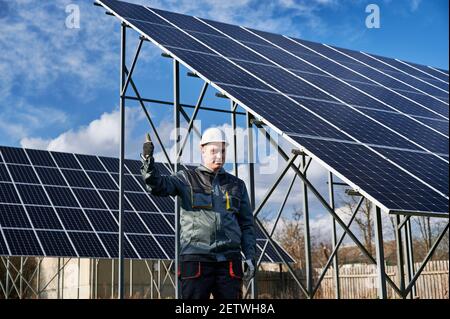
<point x="147" y="149"/>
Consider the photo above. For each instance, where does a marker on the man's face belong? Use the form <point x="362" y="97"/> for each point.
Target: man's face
<point x="213" y="155"/>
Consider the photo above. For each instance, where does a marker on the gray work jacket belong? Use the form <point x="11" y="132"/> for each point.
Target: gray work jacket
<point x="216" y="220"/>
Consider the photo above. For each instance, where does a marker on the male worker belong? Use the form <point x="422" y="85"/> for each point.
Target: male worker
<point x="216" y="221"/>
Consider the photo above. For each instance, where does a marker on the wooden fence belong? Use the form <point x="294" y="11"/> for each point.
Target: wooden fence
<point x="357" y="281"/>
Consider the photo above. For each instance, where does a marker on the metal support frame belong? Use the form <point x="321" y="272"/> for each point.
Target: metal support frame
<point x="251" y="181"/>
<point x="306" y="232"/>
<point x="337" y="288"/>
<point x="381" y="272"/>
<point x="400" y="254"/>
<point x="121" y="266"/>
<point x="233" y="126"/>
<point x="409" y="255"/>
<point x="126" y="81"/>
<point x="176" y="120"/>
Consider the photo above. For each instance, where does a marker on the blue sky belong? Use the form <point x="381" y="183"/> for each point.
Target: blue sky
<point x="59" y="86"/>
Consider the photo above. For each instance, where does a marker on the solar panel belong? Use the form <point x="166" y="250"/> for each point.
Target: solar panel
<point x="72" y="211"/>
<point x="13" y="216"/>
<point x="63" y="248"/>
<point x="22" y="242"/>
<point x="366" y="118"/>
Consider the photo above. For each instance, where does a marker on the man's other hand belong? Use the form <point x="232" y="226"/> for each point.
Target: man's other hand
<point x="249" y="269"/>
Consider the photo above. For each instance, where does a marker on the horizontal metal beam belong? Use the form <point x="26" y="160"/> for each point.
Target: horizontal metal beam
<point x="424" y="214"/>
<point x="182" y="105"/>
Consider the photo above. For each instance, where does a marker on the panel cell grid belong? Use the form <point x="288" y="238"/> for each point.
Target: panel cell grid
<point x="50" y="176"/>
<point x="33" y="194"/>
<point x="23" y="174"/>
<point x="13" y="216"/>
<point x="23" y="242"/>
<point x="102" y="180"/>
<point x="141" y="202"/>
<point x="65" y="160"/>
<point x="14" y="155"/>
<point x="102" y="220"/>
<point x="112" y="200"/>
<point x="90" y="162"/>
<point x="168" y="244"/>
<point x="73" y="219"/>
<point x="43" y="217"/>
<point x="87" y="244"/>
<point x="130" y="183"/>
<point x="89" y="198"/>
<point x="111" y="164"/>
<point x="77" y="178"/>
<point x="56" y="243"/>
<point x="4" y="176"/>
<point x="134" y="166"/>
<point x="61" y="196"/>
<point x="111" y="242"/>
<point x="146" y="247"/>
<point x="41" y="158"/>
<point x="157" y="224"/>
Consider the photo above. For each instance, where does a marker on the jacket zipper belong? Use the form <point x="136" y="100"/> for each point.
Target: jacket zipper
<point x="215" y="213"/>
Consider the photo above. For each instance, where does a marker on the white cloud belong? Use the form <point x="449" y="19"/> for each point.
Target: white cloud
<point x="263" y="15"/>
<point x="414" y="4"/>
<point x="38" y="50"/>
<point x="100" y="137"/>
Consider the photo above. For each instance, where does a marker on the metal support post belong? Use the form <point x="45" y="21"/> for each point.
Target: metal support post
<point x="58" y="279"/>
<point x="381" y="271"/>
<point x="96" y="279"/>
<point x="176" y="117"/>
<point x="233" y="126"/>
<point x="21" y="279"/>
<point x="409" y="255"/>
<point x="62" y="279"/>
<point x="159" y="278"/>
<point x="306" y="231"/>
<point x="78" y="277"/>
<point x="38" y="280"/>
<point x="400" y="259"/>
<point x="7" y="278"/>
<point x="337" y="289"/>
<point x="91" y="278"/>
<point x="251" y="180"/>
<point x="131" y="278"/>
<point x="112" y="278"/>
<point x="121" y="266"/>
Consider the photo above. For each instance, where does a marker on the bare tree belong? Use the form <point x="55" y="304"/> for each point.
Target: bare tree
<point x="426" y="233"/>
<point x="429" y="231"/>
<point x="364" y="218"/>
<point x="292" y="239"/>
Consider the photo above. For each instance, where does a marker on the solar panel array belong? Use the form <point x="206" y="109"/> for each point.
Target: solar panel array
<point x="380" y="124"/>
<point x="66" y="205"/>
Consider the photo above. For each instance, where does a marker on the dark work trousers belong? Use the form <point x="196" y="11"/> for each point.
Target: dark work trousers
<point x="199" y="279"/>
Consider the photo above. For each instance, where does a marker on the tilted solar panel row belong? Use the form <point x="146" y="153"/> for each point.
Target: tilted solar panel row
<point x="363" y="116"/>
<point x="66" y="205"/>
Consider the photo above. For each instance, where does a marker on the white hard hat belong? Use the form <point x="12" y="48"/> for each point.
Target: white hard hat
<point x="213" y="134"/>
